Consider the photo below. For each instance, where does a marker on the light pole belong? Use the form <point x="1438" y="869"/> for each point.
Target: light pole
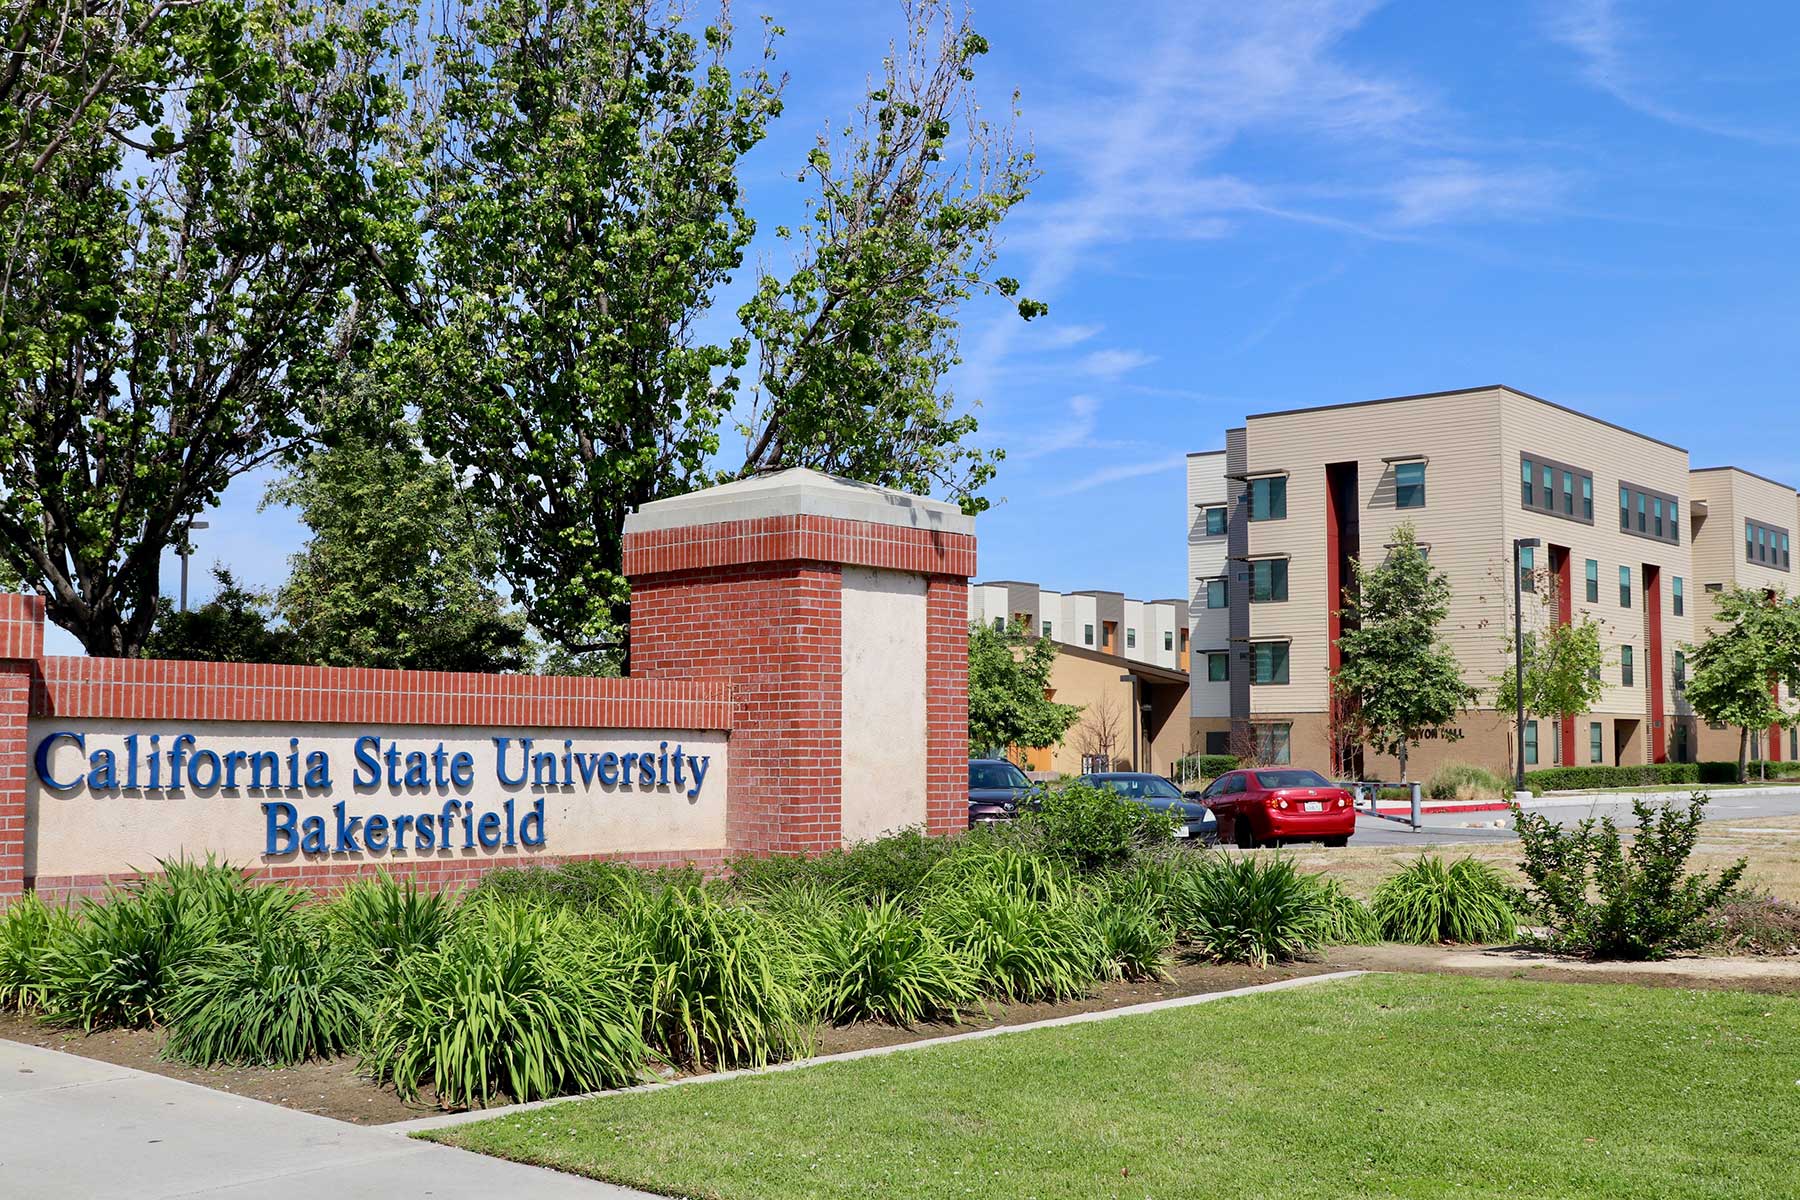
<point x="186" y="550"/>
<point x="1520" y="545"/>
<point x="1132" y="679"/>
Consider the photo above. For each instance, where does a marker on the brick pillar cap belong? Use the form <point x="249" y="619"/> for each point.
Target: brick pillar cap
<point x="799" y="492"/>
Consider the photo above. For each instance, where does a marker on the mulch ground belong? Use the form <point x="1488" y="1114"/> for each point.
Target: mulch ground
<point x="334" y="1088"/>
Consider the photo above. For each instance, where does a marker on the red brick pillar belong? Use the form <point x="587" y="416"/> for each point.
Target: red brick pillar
<point x="21" y="645"/>
<point x="770" y="583"/>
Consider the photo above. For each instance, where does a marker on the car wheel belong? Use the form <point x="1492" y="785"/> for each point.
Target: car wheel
<point x="1246" y="836"/>
<point x="1343" y="839"/>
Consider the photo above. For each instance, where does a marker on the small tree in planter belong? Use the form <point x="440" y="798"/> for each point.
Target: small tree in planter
<point x="1402" y="680"/>
<point x="1733" y="674"/>
<point x="1009" y="678"/>
<point x="1562" y="662"/>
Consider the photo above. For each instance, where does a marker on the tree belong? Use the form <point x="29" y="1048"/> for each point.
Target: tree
<point x="236" y="625"/>
<point x="1403" y="681"/>
<point x="1733" y="675"/>
<point x="852" y="347"/>
<point x="1100" y="732"/>
<point x="1009" y="681"/>
<point x="184" y="186"/>
<point x="1562" y="662"/>
<point x="398" y="571"/>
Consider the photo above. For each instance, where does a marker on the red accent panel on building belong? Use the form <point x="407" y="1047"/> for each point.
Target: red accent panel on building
<point x="1659" y="734"/>
<point x="799" y="539"/>
<point x="1565" y="615"/>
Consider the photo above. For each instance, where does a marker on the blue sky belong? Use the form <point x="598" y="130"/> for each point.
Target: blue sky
<point x="1247" y="207"/>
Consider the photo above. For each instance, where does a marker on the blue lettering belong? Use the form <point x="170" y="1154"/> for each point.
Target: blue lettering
<point x="281" y="816"/>
<point x="500" y="745"/>
<point x="488" y="830"/>
<point x="422" y="830"/>
<point x="346" y="830"/>
<point x="203" y="756"/>
<point x="104" y="777"/>
<point x="462" y="769"/>
<point x="43" y="760"/>
<point x="647" y="769"/>
<point x="312" y="835"/>
<point x="368" y="752"/>
<point x="609" y="769"/>
<point x="531" y="829"/>
<point x="318" y="771"/>
<point x="697" y="765"/>
<point x="375" y="831"/>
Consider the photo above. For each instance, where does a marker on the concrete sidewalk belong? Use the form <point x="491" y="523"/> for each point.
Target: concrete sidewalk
<point x="85" y="1130"/>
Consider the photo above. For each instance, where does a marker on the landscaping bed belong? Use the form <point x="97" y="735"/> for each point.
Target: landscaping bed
<point x="1378" y="1086"/>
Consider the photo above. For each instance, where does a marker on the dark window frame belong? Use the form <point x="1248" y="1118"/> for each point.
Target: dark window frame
<point x="1625" y="586"/>
<point x="1590" y="575"/>
<point x="1409" y="495"/>
<point x="1627" y="666"/>
<point x="1224" y="583"/>
<point x="1222" y="656"/>
<point x="1277" y="591"/>
<point x="1206" y="519"/>
<point x="1268" y="482"/>
<point x="1286" y="664"/>
<point x="1773" y="541"/>
<point x="1554" y="493"/>
<point x="1667" y="530"/>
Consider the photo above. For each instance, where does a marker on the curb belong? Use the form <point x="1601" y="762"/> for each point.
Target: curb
<point x="1403" y="810"/>
<point x="450" y="1120"/>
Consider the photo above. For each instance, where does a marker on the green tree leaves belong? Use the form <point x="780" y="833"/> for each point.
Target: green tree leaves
<point x="1756" y="644"/>
<point x="1009" y="676"/>
<point x="1400" y="679"/>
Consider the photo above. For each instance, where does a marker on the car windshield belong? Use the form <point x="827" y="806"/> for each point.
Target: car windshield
<point x="996" y="775"/>
<point x="1291" y="779"/>
<point x="1141" y="786"/>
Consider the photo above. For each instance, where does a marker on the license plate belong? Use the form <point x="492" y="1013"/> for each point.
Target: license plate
<point x="1181" y="831"/>
<point x="1315" y="806"/>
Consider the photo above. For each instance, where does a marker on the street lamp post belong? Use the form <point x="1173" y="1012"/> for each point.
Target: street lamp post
<point x="1520" y="545"/>
<point x="186" y="550"/>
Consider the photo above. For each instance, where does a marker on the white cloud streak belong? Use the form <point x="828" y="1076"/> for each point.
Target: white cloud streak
<point x="1119" y="474"/>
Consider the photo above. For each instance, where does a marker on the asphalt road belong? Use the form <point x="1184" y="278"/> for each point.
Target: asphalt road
<point x="1479" y="827"/>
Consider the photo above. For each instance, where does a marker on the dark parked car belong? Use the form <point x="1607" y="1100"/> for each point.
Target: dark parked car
<point x="1156" y="793"/>
<point x="1266" y="806"/>
<point x="996" y="790"/>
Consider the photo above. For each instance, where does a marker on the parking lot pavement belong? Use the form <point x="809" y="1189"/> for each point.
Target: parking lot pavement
<point x="1479" y="827"/>
<point x="77" y="1128"/>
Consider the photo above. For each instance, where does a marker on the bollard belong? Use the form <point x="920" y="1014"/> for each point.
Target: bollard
<point x="1417" y="821"/>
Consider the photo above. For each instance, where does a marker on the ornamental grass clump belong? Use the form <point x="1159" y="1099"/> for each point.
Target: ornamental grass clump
<point x="1019" y="922"/>
<point x="517" y="1002"/>
<point x="386" y="919"/>
<point x="1430" y="901"/>
<point x="1250" y="909"/>
<point x="880" y="962"/>
<point x="281" y="996"/>
<point x="1134" y="939"/>
<point x="723" y="984"/>
<point x="28" y="928"/>
<point x="1348" y="921"/>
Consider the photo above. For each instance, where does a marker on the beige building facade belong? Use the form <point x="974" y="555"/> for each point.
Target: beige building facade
<point x="1626" y="533"/>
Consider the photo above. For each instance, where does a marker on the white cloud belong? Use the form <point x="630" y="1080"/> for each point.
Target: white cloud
<point x="1456" y="190"/>
<point x="1061" y="337"/>
<point x="1120" y="473"/>
<point x="1594" y="30"/>
<point x="1111" y="364"/>
<point x="1073" y="432"/>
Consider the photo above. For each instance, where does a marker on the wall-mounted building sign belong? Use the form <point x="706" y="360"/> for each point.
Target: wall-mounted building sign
<point x="114" y="795"/>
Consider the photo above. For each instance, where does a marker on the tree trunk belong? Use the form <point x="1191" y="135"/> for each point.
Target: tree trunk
<point x="1402" y="762"/>
<point x="1743" y="775"/>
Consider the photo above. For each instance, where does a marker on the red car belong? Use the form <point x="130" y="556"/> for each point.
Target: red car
<point x="1267" y="806"/>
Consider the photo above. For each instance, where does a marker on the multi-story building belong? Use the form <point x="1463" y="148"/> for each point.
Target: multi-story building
<point x="1623" y="530"/>
<point x="1124" y="661"/>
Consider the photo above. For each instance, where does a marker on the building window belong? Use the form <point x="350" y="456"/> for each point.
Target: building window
<point x="1680" y="672"/>
<point x="1643" y="513"/>
<point x="1624" y="587"/>
<point x="1527" y="568"/>
<point x="1131" y="639"/>
<point x="1680" y="600"/>
<point x="1217" y="596"/>
<point x="1547" y="476"/>
<point x="1268" y="581"/>
<point x="1593" y="581"/>
<point x="1656" y="511"/>
<point x="1627" y="673"/>
<point x="1218" y="667"/>
<point x="1087" y="635"/>
<point x="1568" y="482"/>
<point x="1000" y="624"/>
<point x="1656" y="514"/>
<point x="1168" y="639"/>
<point x="1268" y="498"/>
<point x="1531" y="753"/>
<point x="1596" y="751"/>
<point x="1269" y="662"/>
<point x="1215" y="521"/>
<point x="1046" y="629"/>
<point x="1525" y="482"/>
<point x="1624" y="507"/>
<point x="1749" y="541"/>
<point x="1273" y="743"/>
<point x="1409" y="485"/>
<point x="1587" y="497"/>
<point x="1675" y="521"/>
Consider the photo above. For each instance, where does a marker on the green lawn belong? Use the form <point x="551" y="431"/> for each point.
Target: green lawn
<point x="1379" y="1086"/>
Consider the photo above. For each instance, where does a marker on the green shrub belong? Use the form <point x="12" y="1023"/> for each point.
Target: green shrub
<point x="385" y="919"/>
<point x="1094" y="828"/>
<point x="1021" y="948"/>
<point x="590" y="885"/>
<point x="1583" y="779"/>
<point x="518" y="1001"/>
<point x="723" y="985"/>
<point x="1250" y="909"/>
<point x="280" y="997"/>
<point x="1464" y="781"/>
<point x="1134" y="937"/>
<point x="880" y="962"/>
<point x="1205" y="766"/>
<point x="1606" y="901"/>
<point x="118" y="961"/>
<point x="893" y="866"/>
<point x="27" y="929"/>
<point x="1430" y="901"/>
<point x="1348" y="921"/>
